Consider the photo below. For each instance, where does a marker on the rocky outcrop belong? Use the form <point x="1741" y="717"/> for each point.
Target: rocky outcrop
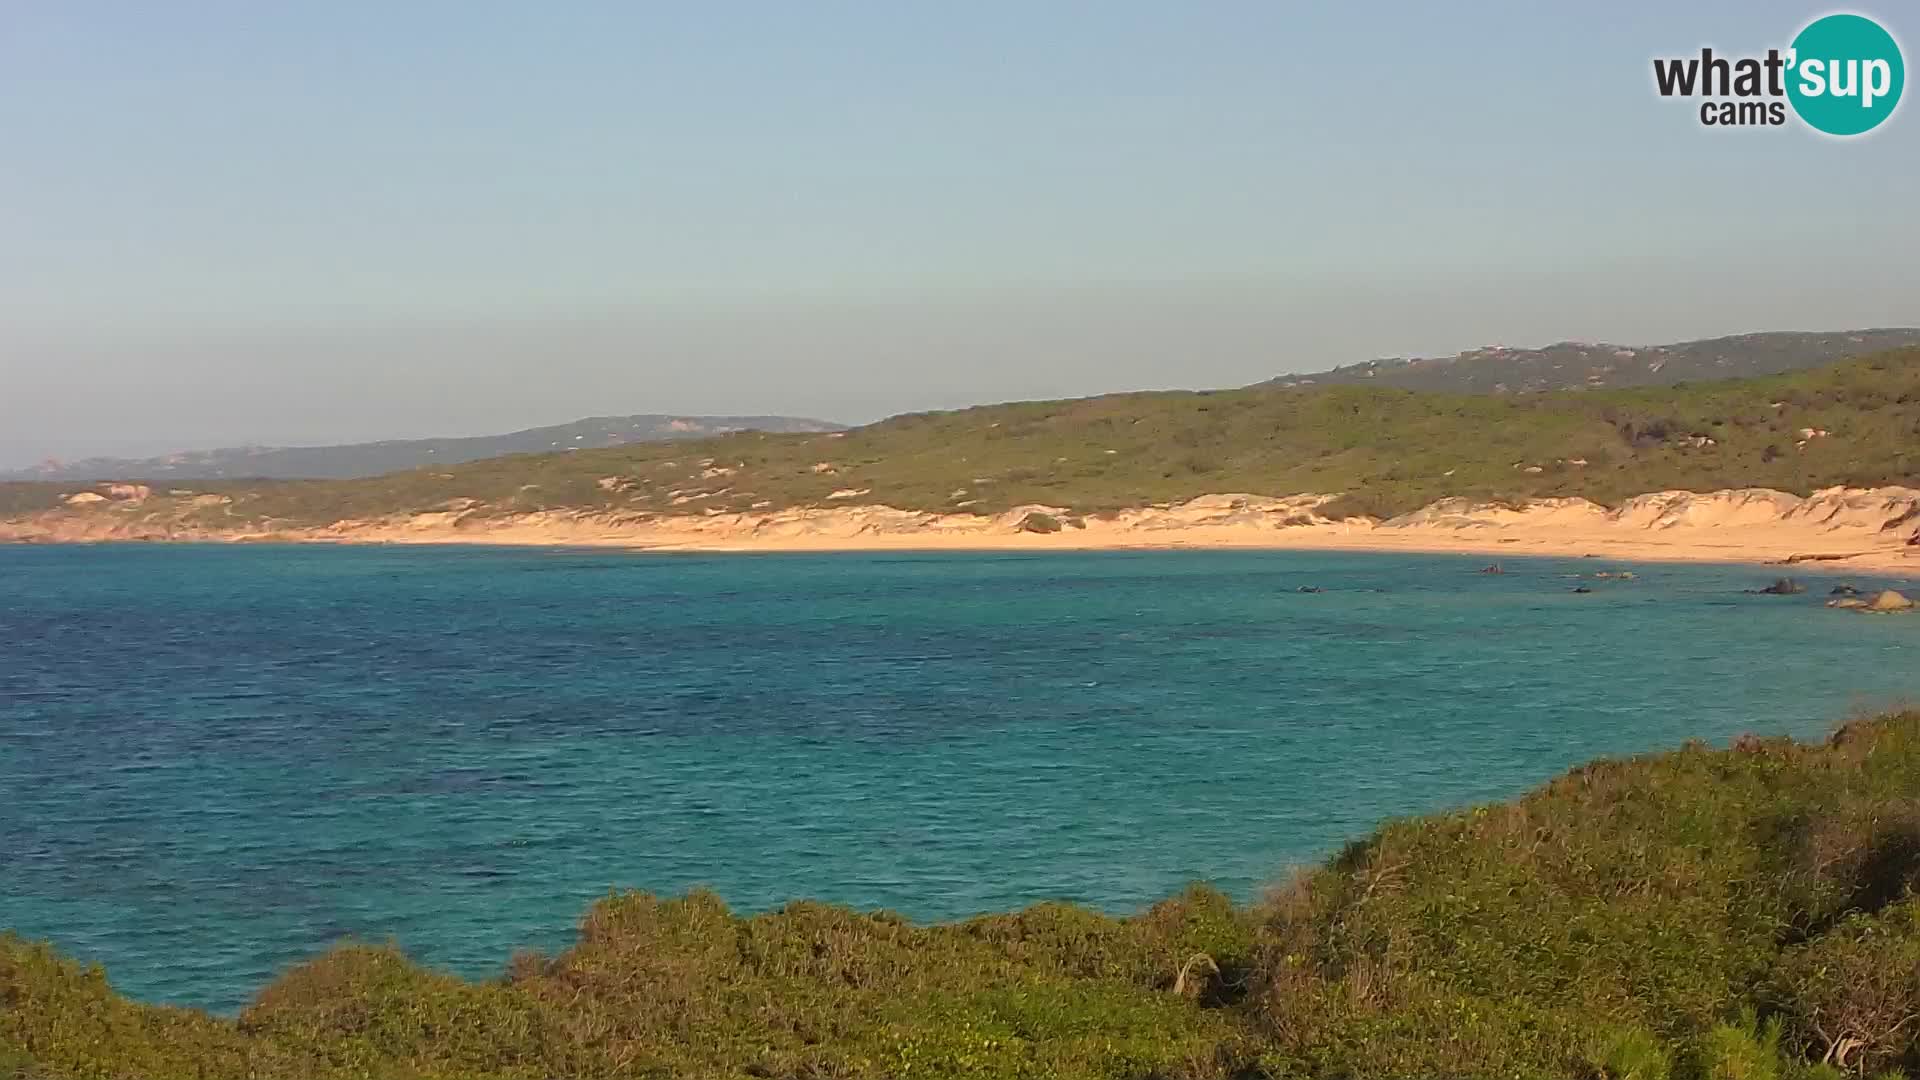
<point x="1231" y="510"/>
<point x="104" y="493"/>
<point x="1869" y="512"/>
<point x="1884" y="509"/>
<point x="1865" y="510"/>
<point x="1686" y="509"/>
<point x="1889" y="601"/>
<point x="1884" y="602"/>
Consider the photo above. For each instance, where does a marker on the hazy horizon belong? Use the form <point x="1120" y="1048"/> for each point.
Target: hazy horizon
<point x="504" y="421"/>
<point x="231" y="225"/>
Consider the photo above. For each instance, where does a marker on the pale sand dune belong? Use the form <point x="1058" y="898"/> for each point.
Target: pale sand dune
<point x="1868" y="529"/>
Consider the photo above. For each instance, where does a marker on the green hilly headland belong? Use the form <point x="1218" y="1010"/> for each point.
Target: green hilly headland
<point x="1746" y="912"/>
<point x="1853" y="423"/>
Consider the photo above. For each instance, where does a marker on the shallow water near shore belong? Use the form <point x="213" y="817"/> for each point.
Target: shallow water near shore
<point x="216" y="761"/>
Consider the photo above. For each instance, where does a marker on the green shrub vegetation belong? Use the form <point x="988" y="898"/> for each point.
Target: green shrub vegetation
<point x="1388" y="450"/>
<point x="1746" y="913"/>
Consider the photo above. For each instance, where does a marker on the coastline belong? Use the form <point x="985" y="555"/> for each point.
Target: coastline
<point x="1750" y="547"/>
<point x="1868" y="529"/>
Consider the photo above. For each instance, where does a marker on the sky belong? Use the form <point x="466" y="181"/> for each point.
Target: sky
<point x="229" y="222"/>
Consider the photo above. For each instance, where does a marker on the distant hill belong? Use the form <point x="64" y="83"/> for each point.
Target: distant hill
<point x="1573" y="365"/>
<point x="372" y="459"/>
<point x="1389" y="450"/>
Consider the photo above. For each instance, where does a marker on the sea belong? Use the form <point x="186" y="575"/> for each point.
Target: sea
<point x="216" y="761"/>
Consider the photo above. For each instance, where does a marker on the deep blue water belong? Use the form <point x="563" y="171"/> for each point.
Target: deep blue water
<point x="215" y="761"/>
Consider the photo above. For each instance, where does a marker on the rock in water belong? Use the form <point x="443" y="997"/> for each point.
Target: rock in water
<point x="1785" y="586"/>
<point x="1889" y="601"/>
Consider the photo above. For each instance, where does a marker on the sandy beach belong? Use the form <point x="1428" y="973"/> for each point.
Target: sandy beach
<point x="1870" y="529"/>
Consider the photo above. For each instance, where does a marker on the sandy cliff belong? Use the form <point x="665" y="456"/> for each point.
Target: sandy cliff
<point x="1869" y="528"/>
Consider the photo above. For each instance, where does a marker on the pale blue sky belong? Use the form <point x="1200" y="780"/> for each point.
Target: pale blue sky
<point x="229" y="221"/>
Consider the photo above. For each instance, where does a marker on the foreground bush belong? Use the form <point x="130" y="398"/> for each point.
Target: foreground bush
<point x="1746" y="913"/>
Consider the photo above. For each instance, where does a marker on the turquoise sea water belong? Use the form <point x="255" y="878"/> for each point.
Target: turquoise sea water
<point x="215" y="761"/>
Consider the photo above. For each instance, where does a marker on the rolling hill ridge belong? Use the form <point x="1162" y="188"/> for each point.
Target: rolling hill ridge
<point x="1573" y="365"/>
<point x="351" y="460"/>
<point x="1385" y="451"/>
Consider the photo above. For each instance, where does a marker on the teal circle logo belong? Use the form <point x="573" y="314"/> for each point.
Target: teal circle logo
<point x="1845" y="75"/>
